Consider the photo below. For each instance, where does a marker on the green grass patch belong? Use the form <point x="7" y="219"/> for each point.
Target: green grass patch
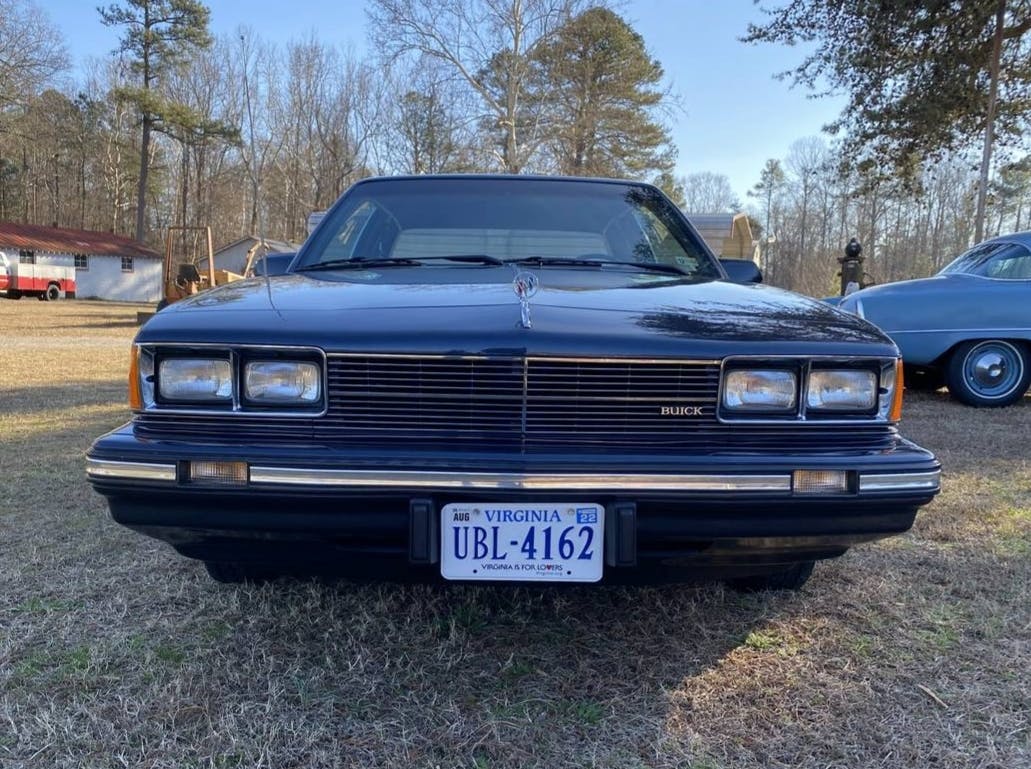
<point x="763" y="641"/>
<point x="169" y="654"/>
<point x="37" y="605"/>
<point x="582" y="712"/>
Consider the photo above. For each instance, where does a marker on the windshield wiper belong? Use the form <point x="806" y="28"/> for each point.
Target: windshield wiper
<point x="368" y="261"/>
<point x="471" y="258"/>
<point x="547" y="261"/>
<point x="357" y="262"/>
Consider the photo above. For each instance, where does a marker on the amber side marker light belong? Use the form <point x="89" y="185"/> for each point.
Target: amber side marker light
<point x="135" y="399"/>
<point x="819" y="482"/>
<point x="895" y="414"/>
<point x="218" y="473"/>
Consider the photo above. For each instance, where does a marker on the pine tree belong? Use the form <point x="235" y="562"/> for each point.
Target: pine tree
<point x="158" y="35"/>
<point x="923" y="78"/>
<point x="603" y="89"/>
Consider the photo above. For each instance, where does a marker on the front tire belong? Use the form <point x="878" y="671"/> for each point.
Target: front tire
<point x="991" y="373"/>
<point x="791" y="578"/>
<point x="924" y="379"/>
<point x="53" y="292"/>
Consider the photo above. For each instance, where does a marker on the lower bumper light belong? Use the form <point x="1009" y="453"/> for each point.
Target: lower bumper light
<point x="819" y="482"/>
<point x="219" y="473"/>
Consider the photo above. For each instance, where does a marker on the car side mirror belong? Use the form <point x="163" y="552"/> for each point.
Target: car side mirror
<point x="277" y="264"/>
<point x="742" y="271"/>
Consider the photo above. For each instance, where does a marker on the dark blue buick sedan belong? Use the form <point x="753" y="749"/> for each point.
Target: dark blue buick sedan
<point x="496" y="378"/>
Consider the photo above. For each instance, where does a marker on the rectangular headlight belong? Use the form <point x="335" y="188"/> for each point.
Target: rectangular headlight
<point x="208" y="380"/>
<point x="760" y="390"/>
<point x="841" y="390"/>
<point x="282" y="383"/>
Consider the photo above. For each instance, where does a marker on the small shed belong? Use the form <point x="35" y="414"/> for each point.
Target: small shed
<point x="107" y="266"/>
<point x="233" y="256"/>
<point x="728" y="235"/>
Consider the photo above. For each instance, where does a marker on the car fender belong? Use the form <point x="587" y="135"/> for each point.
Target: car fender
<point x="927" y="318"/>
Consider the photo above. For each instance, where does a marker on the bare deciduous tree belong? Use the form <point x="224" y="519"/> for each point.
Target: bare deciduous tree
<point x="488" y="43"/>
<point x="709" y="193"/>
<point x="32" y="51"/>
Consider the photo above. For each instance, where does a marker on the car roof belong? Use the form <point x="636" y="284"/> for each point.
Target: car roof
<point x="1023" y="238"/>
<point x="502" y="177"/>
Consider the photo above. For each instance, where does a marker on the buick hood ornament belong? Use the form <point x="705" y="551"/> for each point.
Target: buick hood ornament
<point x="525" y="285"/>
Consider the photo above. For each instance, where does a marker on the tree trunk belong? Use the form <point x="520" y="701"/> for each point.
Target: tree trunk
<point x="141" y="187"/>
<point x="82" y="191"/>
<point x="989" y="123"/>
<point x="185" y="186"/>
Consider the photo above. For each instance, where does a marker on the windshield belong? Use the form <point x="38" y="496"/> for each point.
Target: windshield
<point x="1004" y="261"/>
<point x="510" y="220"/>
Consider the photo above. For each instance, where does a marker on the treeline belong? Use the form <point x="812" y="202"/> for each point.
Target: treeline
<point x="179" y="128"/>
<point x="928" y="155"/>
<point x="805" y="208"/>
<point x="242" y="133"/>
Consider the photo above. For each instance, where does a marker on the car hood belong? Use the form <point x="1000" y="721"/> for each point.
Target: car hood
<point x="900" y="305"/>
<point x="909" y="287"/>
<point x="573" y="312"/>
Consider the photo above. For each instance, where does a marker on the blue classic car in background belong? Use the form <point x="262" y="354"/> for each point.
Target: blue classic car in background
<point x="511" y="379"/>
<point x="968" y="327"/>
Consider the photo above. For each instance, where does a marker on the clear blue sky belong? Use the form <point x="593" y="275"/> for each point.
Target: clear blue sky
<point x="736" y="115"/>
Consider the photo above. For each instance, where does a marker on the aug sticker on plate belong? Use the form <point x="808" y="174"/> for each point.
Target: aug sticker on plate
<point x="539" y="542"/>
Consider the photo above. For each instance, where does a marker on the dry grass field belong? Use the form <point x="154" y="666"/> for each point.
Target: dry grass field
<point x="114" y="651"/>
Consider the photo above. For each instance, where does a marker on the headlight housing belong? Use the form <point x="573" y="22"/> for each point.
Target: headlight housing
<point x="845" y="390"/>
<point x="195" y="380"/>
<point x="821" y="388"/>
<point x="760" y="390"/>
<point x="282" y="383"/>
<point x="267" y="380"/>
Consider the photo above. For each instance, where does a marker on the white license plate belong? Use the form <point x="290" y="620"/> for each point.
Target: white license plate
<point x="539" y="542"/>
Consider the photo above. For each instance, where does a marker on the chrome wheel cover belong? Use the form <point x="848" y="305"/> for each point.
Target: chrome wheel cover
<point x="993" y="369"/>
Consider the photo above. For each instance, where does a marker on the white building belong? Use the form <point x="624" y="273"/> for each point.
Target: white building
<point x="107" y="266"/>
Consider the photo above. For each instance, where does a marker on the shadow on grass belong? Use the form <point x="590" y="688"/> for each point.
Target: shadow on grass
<point x="534" y="667"/>
<point x="70" y="394"/>
<point x="122" y="323"/>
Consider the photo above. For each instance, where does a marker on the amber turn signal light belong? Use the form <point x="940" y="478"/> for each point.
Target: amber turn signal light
<point x="895" y="414"/>
<point x="135" y="399"/>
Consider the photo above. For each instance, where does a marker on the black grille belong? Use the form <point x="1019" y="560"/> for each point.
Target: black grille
<point x="222" y="428"/>
<point x="404" y="399"/>
<point x="481" y="400"/>
<point x="523" y="404"/>
<point x="598" y="403"/>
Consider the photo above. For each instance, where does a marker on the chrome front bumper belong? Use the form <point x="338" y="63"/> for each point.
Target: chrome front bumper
<point x="265" y="475"/>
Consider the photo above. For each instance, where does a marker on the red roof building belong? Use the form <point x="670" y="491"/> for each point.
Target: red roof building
<point x="61" y="240"/>
<point x="107" y="266"/>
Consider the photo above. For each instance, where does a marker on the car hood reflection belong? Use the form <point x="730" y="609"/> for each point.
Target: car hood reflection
<point x="574" y="312"/>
